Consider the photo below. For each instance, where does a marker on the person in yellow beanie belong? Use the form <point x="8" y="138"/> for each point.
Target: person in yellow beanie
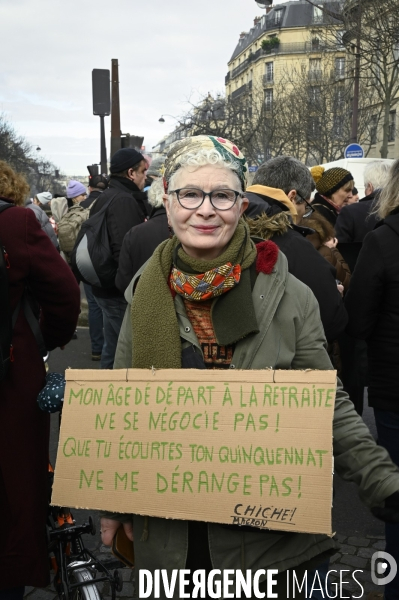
<point x="334" y="188"/>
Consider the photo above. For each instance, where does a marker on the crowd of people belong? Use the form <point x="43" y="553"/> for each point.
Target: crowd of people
<point x="307" y="276"/>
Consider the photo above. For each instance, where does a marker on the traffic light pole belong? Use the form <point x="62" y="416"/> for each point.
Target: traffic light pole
<point x="115" y="108"/>
<point x="103" y="160"/>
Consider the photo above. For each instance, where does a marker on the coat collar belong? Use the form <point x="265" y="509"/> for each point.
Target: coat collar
<point x="274" y="194"/>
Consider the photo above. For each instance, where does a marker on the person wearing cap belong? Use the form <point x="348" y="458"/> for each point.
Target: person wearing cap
<point x="128" y="208"/>
<point x="39" y="204"/>
<point x="278" y="198"/>
<point x="97" y="184"/>
<point x="75" y="193"/>
<point x="334" y="187"/>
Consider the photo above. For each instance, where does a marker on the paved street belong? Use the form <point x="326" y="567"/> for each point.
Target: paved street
<point x="359" y="534"/>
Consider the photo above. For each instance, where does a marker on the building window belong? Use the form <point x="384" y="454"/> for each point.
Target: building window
<point x="315" y="43"/>
<point x="269" y="72"/>
<point x="314" y="95"/>
<point x="313" y="127"/>
<point x="373" y="129"/>
<point x="392" y="126"/>
<point x="340" y="43"/>
<point x="338" y="127"/>
<point x="315" y="69"/>
<point x="317" y="14"/>
<point x="340" y="68"/>
<point x="278" y="15"/>
<point x="269" y="100"/>
<point x="340" y="98"/>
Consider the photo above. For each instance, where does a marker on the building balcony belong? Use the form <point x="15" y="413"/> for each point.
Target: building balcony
<point x="244" y="89"/>
<point x="288" y="48"/>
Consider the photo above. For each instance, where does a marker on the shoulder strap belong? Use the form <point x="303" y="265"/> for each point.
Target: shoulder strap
<point x="107" y="204"/>
<point x="94" y="201"/>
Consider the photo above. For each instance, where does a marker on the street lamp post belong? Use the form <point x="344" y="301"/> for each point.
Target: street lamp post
<point x="162" y="120"/>
<point x="355" y="108"/>
<point x="264" y="3"/>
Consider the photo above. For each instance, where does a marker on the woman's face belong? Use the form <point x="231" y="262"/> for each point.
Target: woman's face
<point x="79" y="199"/>
<point x="205" y="231"/>
<point x="341" y="196"/>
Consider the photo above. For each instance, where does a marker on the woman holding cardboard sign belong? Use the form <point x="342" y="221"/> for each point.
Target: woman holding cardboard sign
<point x="213" y="297"/>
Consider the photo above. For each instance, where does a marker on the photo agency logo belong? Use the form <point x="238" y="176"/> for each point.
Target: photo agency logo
<point x="383" y="568"/>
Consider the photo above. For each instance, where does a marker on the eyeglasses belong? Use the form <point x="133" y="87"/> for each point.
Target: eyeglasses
<point x="192" y="198"/>
<point x="310" y="208"/>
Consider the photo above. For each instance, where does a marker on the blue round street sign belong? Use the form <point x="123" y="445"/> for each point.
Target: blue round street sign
<point x="354" y="151"/>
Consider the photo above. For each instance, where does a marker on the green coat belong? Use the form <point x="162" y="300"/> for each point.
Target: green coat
<point x="291" y="337"/>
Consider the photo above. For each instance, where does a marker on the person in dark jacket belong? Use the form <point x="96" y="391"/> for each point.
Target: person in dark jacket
<point x="334" y="188"/>
<point x="281" y="188"/>
<point x="140" y="242"/>
<point x="97" y="184"/>
<point x="129" y="207"/>
<point x="373" y="307"/>
<point x="356" y="220"/>
<point x="34" y="263"/>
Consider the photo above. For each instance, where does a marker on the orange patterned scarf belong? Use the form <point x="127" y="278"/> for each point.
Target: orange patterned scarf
<point x="206" y="285"/>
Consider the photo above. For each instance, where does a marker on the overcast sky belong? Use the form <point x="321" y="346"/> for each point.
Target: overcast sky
<point x="168" y="52"/>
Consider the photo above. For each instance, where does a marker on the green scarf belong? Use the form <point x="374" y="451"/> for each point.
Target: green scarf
<point x="156" y="332"/>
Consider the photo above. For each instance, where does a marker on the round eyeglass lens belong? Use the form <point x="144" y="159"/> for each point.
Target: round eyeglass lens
<point x="221" y="199"/>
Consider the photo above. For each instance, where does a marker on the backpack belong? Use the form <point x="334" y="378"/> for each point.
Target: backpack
<point x="91" y="259"/>
<point x="69" y="227"/>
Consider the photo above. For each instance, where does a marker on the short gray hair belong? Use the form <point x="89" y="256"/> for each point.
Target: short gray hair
<point x="156" y="192"/>
<point x="285" y="173"/>
<point x="204" y="157"/>
<point x="376" y="173"/>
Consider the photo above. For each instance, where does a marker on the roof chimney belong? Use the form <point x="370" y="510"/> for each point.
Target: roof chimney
<point x="257" y="20"/>
<point x="268" y="9"/>
<point x="242" y="35"/>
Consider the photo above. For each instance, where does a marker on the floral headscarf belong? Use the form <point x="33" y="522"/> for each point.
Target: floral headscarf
<point x="225" y="148"/>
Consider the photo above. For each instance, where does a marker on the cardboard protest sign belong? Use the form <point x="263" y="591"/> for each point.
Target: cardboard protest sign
<point x="239" y="447"/>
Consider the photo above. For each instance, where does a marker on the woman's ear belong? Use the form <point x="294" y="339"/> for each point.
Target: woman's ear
<point x="165" y="199"/>
<point x="244" y="206"/>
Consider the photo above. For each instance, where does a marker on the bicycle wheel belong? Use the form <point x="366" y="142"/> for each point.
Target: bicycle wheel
<point x="84" y="592"/>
